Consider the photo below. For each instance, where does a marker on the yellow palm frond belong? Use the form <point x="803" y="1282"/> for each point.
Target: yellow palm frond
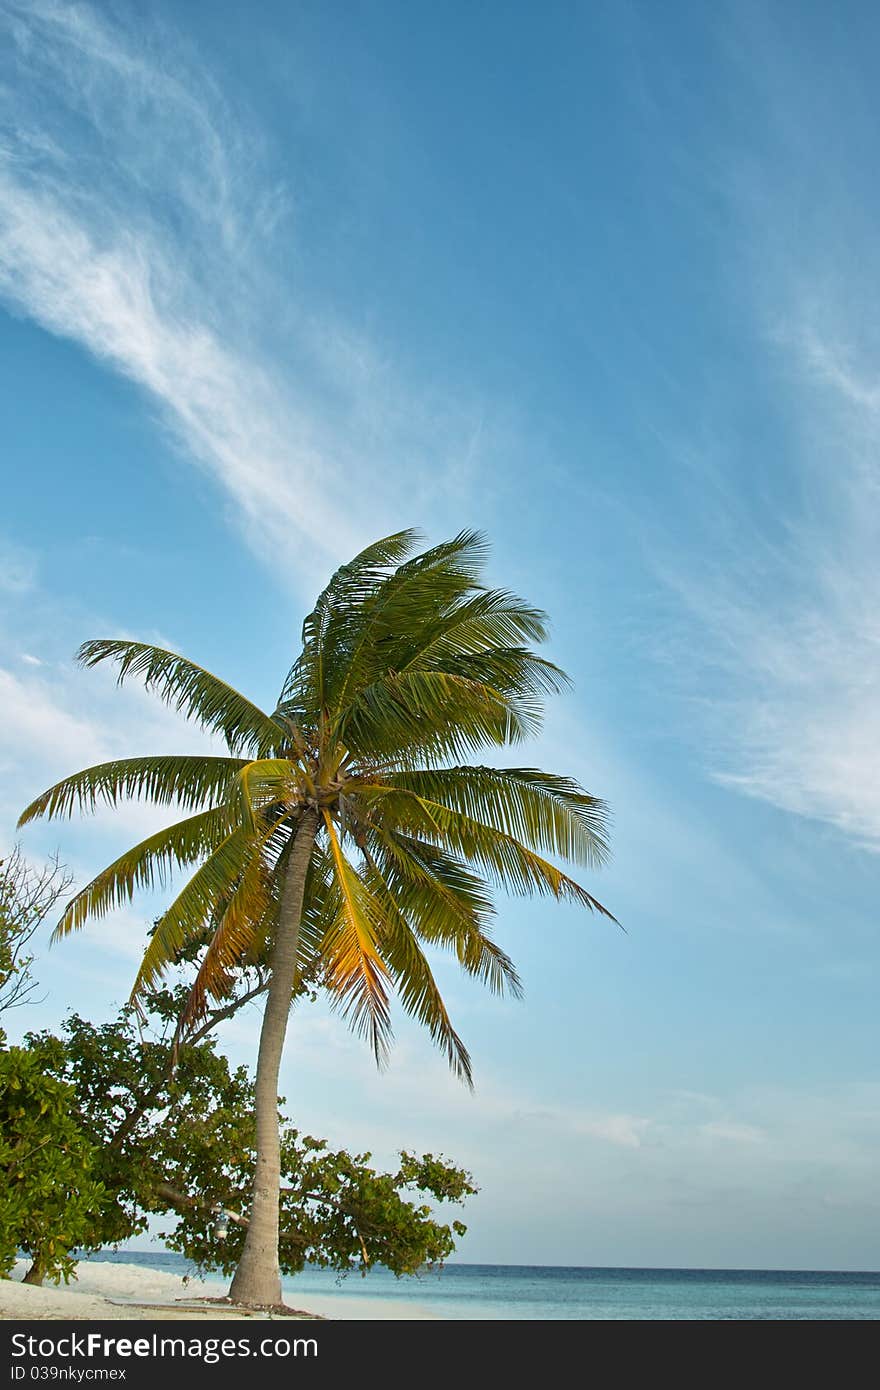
<point x="197" y="905"/>
<point x="355" y="974"/>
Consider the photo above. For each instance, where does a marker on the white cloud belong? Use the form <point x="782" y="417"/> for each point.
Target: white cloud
<point x="59" y="721"/>
<point x="140" y="219"/>
<point x="729" y="1131"/>
<point x="802" y="645"/>
<point x="37" y="724"/>
<point x="626" y="1131"/>
<point x="795" y="718"/>
<point x="782" y="588"/>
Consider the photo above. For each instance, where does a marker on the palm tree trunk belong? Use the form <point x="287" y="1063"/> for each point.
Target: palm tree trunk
<point x="257" y="1280"/>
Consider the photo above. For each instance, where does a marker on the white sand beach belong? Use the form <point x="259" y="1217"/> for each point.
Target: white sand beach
<point x="133" y="1292"/>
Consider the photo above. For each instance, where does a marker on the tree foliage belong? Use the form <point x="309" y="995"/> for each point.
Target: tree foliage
<point x="409" y="664"/>
<point x="180" y="1142"/>
<point x="50" y="1198"/>
<point x="347" y="836"/>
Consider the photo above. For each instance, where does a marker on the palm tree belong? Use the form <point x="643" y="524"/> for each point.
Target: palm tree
<point x="346" y="831"/>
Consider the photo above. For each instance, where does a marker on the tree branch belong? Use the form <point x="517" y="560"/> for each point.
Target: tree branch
<point x="218" y="1015"/>
<point x="181" y="1199"/>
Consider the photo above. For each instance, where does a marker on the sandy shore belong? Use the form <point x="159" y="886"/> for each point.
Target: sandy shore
<point x="133" y="1292"/>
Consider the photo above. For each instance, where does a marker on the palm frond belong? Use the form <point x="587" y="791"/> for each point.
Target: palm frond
<point x="414" y="981"/>
<point x="355" y="974"/>
<point x="229" y="947"/>
<point x="547" y="812"/>
<point x="375" y="635"/>
<point x="191" y="690"/>
<point x="238" y="942"/>
<point x="446" y="905"/>
<point x="465" y="555"/>
<point x="459" y="893"/>
<point x="431" y="615"/>
<point x="479" y="622"/>
<point x="435" y="715"/>
<point x="514" y="672"/>
<point x="321" y="909"/>
<point x="187" y="781"/>
<point x="264" y="785"/>
<point x="347" y="592"/>
<point x="198" y="904"/>
<point x="512" y="865"/>
<point x="232" y="941"/>
<point x="144" y="866"/>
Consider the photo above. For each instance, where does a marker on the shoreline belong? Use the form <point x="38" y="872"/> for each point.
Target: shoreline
<point x="116" y="1291"/>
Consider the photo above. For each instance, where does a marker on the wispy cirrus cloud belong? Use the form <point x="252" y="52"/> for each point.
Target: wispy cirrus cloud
<point x="792" y="651"/>
<point x="783" y="591"/>
<point x="140" y="218"/>
<point x="805" y="631"/>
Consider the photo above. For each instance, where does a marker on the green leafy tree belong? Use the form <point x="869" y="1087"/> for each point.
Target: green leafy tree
<point x="50" y="1201"/>
<point x="344" y="833"/>
<point x="180" y="1140"/>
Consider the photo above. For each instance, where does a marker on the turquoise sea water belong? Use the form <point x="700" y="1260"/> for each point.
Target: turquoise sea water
<point x="545" y="1293"/>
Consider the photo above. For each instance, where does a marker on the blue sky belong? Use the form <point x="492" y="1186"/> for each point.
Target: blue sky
<point x="599" y="279"/>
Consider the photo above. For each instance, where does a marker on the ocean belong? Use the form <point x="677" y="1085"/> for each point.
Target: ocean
<point x="547" y="1293"/>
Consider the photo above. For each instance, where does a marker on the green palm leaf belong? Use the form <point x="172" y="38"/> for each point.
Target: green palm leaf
<point x="446" y="905"/>
<point x="324" y="630"/>
<point x="512" y="865"/>
<point x="146" y="866"/>
<point x="551" y="813"/>
<point x="377" y="633"/>
<point x="262" y="786"/>
<point x="480" y="622"/>
<point x="415" y="984"/>
<point x="433" y="714"/>
<point x="186" y="781"/>
<point x="191" y="690"/>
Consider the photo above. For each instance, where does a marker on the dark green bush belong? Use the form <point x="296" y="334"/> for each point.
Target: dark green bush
<point x="49" y="1199"/>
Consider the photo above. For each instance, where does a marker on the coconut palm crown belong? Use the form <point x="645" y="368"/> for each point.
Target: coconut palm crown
<point x="347" y="831"/>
